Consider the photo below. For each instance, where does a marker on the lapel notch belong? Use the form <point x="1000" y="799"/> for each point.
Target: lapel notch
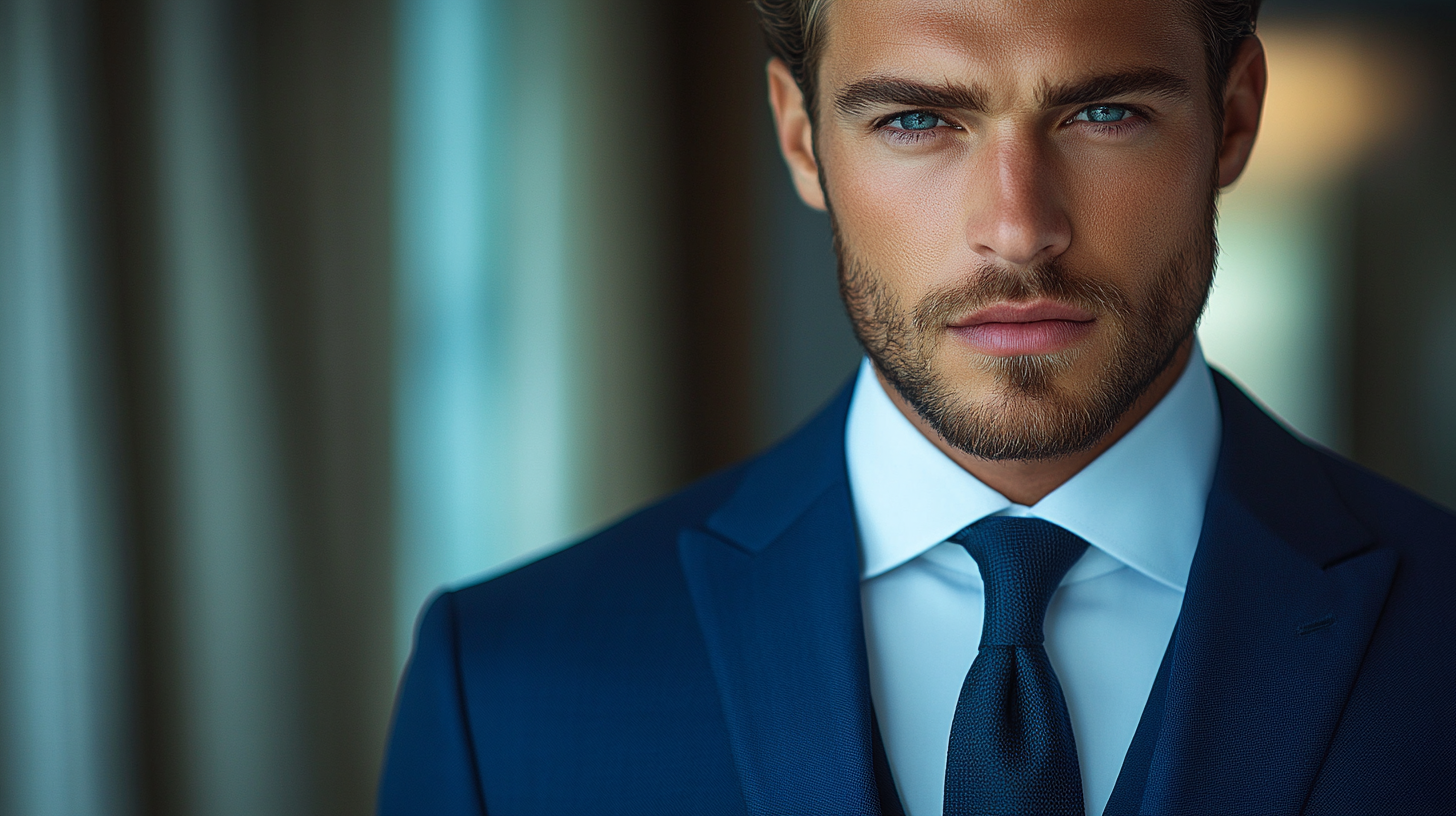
<point x="774" y="577"/>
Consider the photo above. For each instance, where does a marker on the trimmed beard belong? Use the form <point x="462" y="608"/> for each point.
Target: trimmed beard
<point x="1028" y="415"/>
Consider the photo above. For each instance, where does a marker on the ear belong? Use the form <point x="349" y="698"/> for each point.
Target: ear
<point x="1243" y="104"/>
<point x="795" y="132"/>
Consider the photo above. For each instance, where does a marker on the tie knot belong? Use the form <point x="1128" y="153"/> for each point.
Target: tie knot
<point x="1022" y="561"/>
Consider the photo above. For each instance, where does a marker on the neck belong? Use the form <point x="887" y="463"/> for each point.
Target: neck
<point x="1026" y="482"/>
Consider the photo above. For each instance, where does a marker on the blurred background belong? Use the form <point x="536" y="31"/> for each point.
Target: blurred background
<point x="308" y="307"/>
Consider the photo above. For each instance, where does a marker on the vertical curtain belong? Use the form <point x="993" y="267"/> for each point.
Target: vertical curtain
<point x="451" y="423"/>
<point x="63" y="632"/>
<point x="195" y="405"/>
<point x="231" y="595"/>
<point x="307" y="307"/>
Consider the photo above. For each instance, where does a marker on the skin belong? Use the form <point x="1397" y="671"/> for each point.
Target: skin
<point x="1011" y="177"/>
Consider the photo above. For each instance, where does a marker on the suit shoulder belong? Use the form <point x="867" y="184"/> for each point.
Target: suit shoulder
<point x="1397" y="515"/>
<point x="639" y="552"/>
<point x="1280" y="468"/>
<point x="629" y="553"/>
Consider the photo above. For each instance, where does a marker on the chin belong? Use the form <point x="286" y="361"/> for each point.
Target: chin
<point x="1034" y="376"/>
<point x="1025" y="407"/>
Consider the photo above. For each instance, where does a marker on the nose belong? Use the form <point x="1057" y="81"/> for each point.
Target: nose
<point x="1016" y="218"/>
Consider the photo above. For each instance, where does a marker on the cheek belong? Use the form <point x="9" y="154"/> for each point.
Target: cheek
<point x="1130" y="211"/>
<point x="904" y="219"/>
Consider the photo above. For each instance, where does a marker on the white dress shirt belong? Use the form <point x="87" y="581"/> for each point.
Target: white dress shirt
<point x="1140" y="506"/>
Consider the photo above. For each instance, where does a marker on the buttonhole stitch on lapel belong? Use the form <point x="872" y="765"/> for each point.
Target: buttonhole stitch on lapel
<point x="1314" y="626"/>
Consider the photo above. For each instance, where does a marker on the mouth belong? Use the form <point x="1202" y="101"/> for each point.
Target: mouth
<point x="1018" y="329"/>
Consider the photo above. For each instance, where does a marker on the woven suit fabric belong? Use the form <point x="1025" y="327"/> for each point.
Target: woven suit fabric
<point x="1011" y="745"/>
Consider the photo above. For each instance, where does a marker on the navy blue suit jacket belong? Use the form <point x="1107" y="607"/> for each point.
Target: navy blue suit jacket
<point x="706" y="655"/>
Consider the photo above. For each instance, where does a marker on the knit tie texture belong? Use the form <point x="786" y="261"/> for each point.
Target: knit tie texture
<point x="1011" y="745"/>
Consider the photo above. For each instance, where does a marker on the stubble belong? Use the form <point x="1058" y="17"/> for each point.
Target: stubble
<point x="1029" y="412"/>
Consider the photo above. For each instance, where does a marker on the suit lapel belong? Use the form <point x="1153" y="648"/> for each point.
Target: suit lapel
<point x="1283" y="595"/>
<point x="774" y="576"/>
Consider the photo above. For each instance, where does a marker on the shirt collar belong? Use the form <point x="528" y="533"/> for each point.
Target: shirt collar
<point x="1140" y="503"/>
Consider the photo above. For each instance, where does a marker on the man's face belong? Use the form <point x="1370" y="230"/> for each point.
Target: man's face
<point x="1023" y="201"/>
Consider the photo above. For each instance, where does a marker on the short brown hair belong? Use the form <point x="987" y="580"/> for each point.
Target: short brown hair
<point x="795" y="33"/>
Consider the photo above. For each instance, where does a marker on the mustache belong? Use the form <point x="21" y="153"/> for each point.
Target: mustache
<point x="991" y="284"/>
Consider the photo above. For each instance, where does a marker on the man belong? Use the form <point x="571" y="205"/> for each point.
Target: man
<point x="1023" y="199"/>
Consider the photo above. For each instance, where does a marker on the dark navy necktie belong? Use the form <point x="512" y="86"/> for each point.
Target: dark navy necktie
<point x="1011" y="745"/>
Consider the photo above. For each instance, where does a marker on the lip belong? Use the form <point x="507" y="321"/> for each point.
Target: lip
<point x="1031" y="312"/>
<point x="1021" y="329"/>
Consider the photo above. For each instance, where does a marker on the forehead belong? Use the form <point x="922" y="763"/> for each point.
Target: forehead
<point x="1009" y="45"/>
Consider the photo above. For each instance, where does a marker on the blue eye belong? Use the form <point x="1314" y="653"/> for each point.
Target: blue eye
<point x="919" y="120"/>
<point x="1103" y="114"/>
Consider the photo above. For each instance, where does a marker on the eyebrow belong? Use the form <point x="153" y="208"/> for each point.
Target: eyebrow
<point x="878" y="91"/>
<point x="1147" y="81"/>
<point x="889" y="91"/>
